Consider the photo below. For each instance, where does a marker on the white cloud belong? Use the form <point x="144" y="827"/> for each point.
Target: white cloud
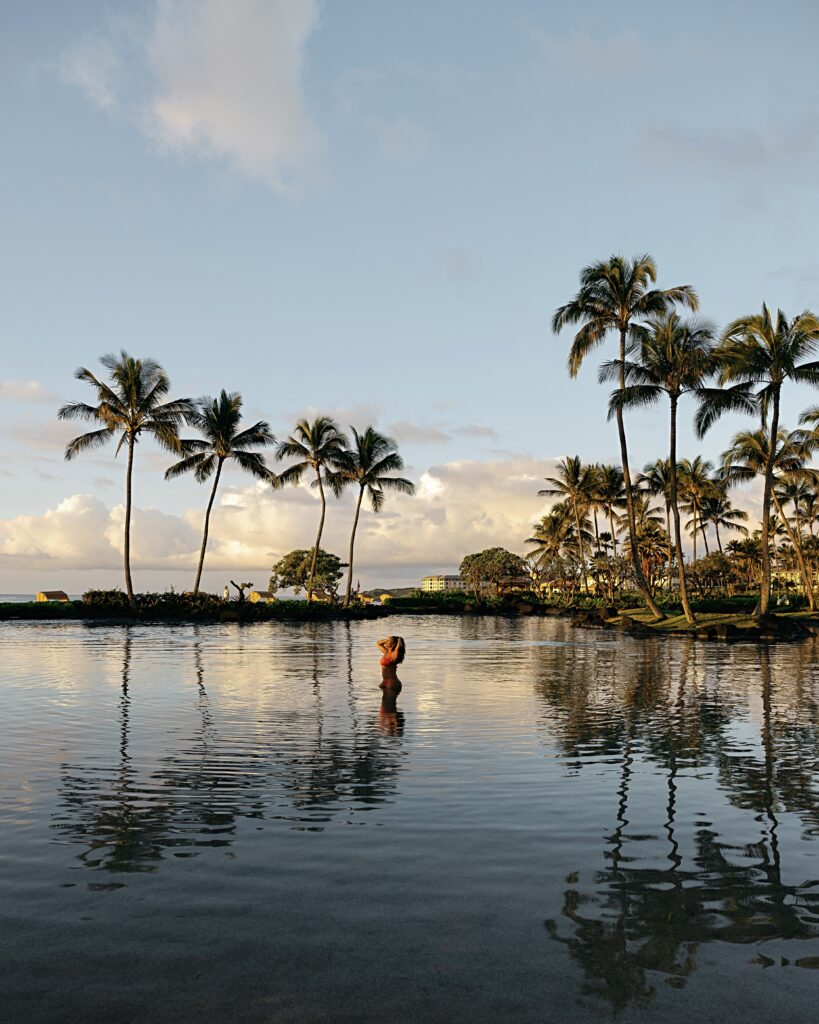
<point x="459" y="507"/>
<point x="215" y="79"/>
<point x="24" y="391"/>
<point x="412" y="433"/>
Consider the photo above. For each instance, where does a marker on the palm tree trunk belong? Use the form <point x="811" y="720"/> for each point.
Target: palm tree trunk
<point x="797" y="547"/>
<point x="675" y="508"/>
<point x="704" y="524"/>
<point x="669" y="551"/>
<point x="126" y="547"/>
<point x="613" y="534"/>
<point x="580" y="545"/>
<point x="318" y="537"/>
<point x="694" y="532"/>
<point x="207" y="523"/>
<point x="632" y="527"/>
<point x="716" y="531"/>
<point x="805" y="563"/>
<point x="765" y="590"/>
<point x="352" y="545"/>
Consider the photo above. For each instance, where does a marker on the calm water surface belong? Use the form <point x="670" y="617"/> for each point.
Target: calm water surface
<point x="219" y="823"/>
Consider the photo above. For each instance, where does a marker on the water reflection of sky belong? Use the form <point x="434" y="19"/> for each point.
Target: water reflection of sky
<point x="596" y="820"/>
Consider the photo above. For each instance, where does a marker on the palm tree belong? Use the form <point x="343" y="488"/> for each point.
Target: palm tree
<point x="656" y="480"/>
<point x="718" y="510"/>
<point x="218" y="420"/>
<point x="610" y="495"/>
<point x="696" y="486"/>
<point x="130" y="404"/>
<point x="614" y="295"/>
<point x="674" y="360"/>
<point x="576" y="483"/>
<point x="370" y="458"/>
<point x="758" y="354"/>
<point x="749" y="456"/>
<point x="319" y="446"/>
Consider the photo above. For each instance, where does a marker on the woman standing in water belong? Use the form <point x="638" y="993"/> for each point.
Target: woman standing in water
<point x="392" y="654"/>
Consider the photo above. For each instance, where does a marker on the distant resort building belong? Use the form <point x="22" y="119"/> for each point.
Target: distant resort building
<point x="434" y="584"/>
<point x="52" y="595"/>
<point x="267" y="596"/>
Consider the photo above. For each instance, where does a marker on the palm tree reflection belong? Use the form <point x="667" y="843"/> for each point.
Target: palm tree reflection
<point x="309" y="768"/>
<point x="638" y="922"/>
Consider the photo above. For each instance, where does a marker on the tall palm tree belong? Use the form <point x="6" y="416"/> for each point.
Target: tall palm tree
<point x="218" y="420"/>
<point x="757" y="355"/>
<point x="674" y="360"/>
<point x="130" y="404"/>
<point x="615" y="295"/>
<point x="320" y="447"/>
<point x="576" y="483"/>
<point x="370" y="458"/>
<point x="750" y="456"/>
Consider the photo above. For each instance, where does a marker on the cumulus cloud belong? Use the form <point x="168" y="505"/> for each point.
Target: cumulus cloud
<point x="214" y="80"/>
<point x="459" y="507"/>
<point x="24" y="391"/>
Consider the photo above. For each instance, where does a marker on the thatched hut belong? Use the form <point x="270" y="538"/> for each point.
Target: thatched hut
<point x="52" y="595"/>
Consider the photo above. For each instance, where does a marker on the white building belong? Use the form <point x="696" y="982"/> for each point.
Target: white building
<point x="433" y="584"/>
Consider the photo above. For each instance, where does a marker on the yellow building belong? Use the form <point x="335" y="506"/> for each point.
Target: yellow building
<point x="52" y="595"/>
<point x="261" y="595"/>
<point x="436" y="584"/>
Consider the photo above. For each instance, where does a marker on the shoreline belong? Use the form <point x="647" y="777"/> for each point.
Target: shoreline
<point x="637" y="622"/>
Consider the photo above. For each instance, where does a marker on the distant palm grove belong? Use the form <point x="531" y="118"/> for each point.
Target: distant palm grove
<point x="610" y="528"/>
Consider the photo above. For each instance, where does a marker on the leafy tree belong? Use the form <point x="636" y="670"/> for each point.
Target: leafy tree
<point x="299" y="570"/>
<point x="218" y="420"/>
<point x="756" y="356"/>
<point x="494" y="566"/>
<point x="320" y="447"/>
<point x="130" y="404"/>
<point x="367" y="463"/>
<point x="615" y="295"/>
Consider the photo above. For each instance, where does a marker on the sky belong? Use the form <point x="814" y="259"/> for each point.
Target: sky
<point x="371" y="210"/>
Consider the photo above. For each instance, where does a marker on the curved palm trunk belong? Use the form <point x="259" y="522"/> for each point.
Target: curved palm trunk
<point x="716" y="532"/>
<point x="765" y="590"/>
<point x="126" y="547"/>
<point x="632" y="527"/>
<point x="207" y="524"/>
<point x="704" y="527"/>
<point x="695" y="530"/>
<point x="797" y="547"/>
<point x="352" y="546"/>
<point x="675" y="509"/>
<point x="318" y="537"/>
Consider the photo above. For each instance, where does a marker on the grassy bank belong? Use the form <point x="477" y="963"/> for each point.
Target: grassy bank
<point x="730" y="619"/>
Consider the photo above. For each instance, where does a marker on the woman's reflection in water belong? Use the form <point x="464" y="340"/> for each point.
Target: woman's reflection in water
<point x="392" y="654"/>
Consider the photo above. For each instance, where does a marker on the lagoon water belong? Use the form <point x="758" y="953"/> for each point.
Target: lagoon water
<point x="219" y="824"/>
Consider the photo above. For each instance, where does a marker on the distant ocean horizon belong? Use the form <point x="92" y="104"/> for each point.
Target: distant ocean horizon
<point x="16" y="598"/>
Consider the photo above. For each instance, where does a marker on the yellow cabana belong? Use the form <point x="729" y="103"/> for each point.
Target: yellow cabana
<point x="52" y="595"/>
<point x="261" y="595"/>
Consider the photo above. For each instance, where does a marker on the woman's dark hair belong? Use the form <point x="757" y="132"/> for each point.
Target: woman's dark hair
<point x="399" y="647"/>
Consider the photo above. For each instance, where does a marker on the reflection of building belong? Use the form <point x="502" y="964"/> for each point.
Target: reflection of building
<point x="437" y="583"/>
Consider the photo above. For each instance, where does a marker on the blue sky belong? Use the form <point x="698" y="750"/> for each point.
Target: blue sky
<point x="373" y="209"/>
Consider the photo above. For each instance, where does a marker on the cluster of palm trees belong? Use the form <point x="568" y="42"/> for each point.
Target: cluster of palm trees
<point x="134" y="402"/>
<point x="666" y="356"/>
